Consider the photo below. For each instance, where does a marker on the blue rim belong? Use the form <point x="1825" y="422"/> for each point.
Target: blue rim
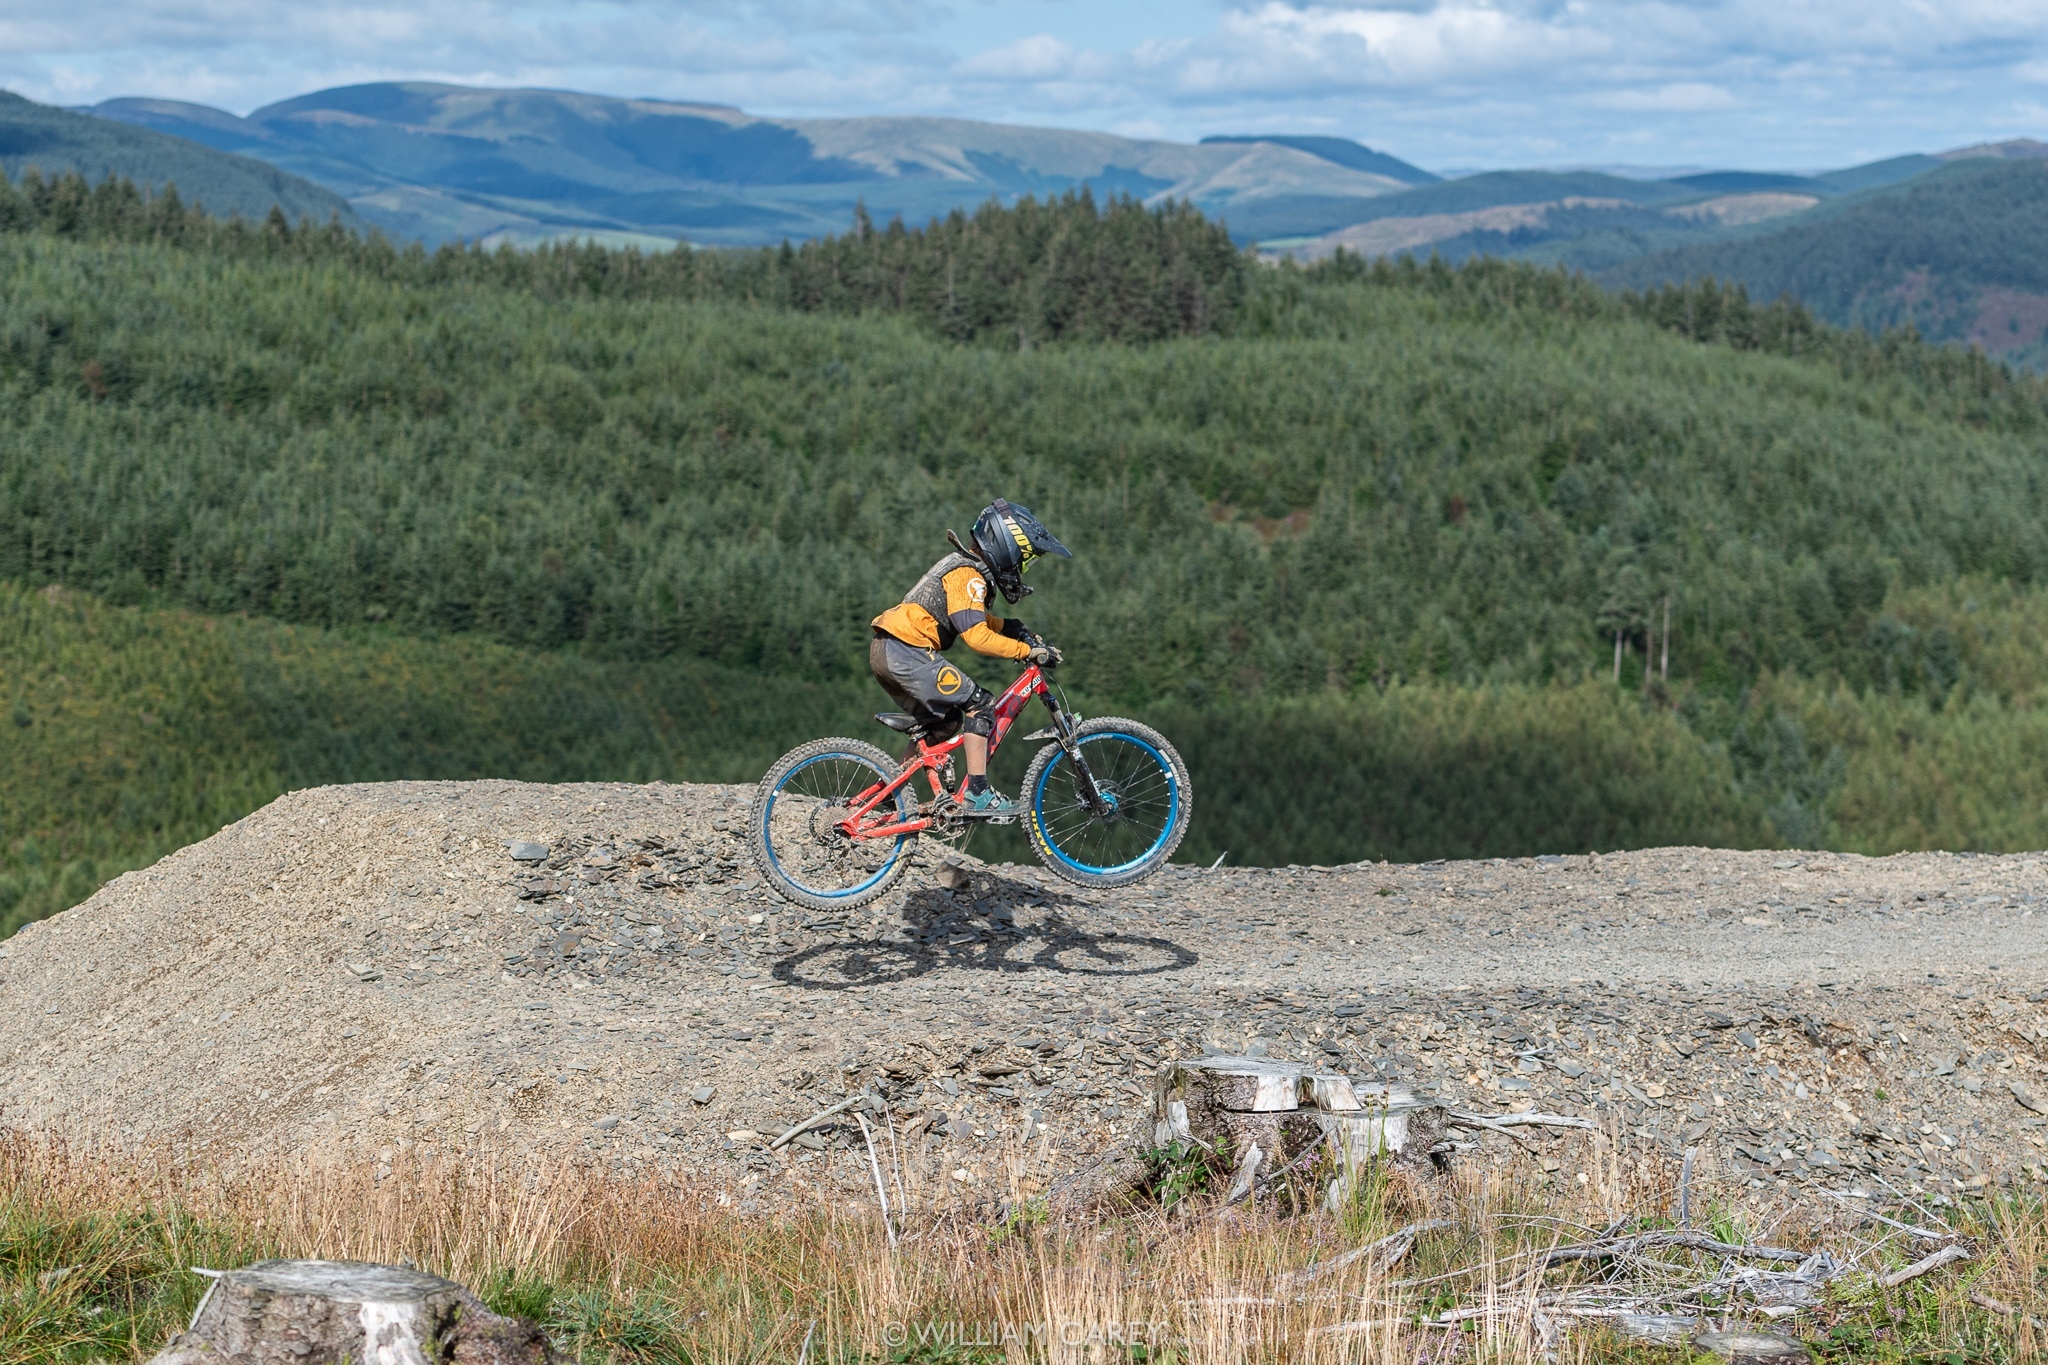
<point x="1172" y="810"/>
<point x="768" y="812"/>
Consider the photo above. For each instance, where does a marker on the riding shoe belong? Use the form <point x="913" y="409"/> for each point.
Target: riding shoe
<point x="989" y="804"/>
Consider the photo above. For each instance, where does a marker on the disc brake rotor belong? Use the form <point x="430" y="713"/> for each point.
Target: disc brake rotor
<point x="1113" y="797"/>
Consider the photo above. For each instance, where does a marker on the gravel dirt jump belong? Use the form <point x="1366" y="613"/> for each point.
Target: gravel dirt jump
<point x="368" y="971"/>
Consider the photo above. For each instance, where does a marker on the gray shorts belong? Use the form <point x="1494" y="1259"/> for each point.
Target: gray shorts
<point x="921" y="681"/>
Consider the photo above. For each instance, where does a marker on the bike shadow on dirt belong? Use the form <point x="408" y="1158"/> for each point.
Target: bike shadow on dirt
<point x="988" y="928"/>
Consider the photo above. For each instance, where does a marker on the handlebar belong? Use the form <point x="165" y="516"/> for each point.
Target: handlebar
<point x="1035" y="640"/>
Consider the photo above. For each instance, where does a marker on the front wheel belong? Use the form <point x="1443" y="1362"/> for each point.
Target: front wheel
<point x="1146" y="801"/>
<point x="794" y="825"/>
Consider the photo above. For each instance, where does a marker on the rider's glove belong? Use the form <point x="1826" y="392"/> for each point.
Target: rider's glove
<point x="1045" y="655"/>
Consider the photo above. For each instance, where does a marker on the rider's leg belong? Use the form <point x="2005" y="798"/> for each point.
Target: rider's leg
<point x="882" y="662"/>
<point x="976" y="724"/>
<point x="947" y="695"/>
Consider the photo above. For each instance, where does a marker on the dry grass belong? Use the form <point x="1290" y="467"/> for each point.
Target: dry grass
<point x="94" y="1252"/>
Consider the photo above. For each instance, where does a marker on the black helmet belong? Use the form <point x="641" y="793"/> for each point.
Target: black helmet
<point x="1009" y="538"/>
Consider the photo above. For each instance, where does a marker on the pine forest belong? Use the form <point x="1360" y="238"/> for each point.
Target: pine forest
<point x="1411" y="561"/>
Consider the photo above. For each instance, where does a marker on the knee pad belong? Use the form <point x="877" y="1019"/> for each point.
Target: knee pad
<point x="979" y="715"/>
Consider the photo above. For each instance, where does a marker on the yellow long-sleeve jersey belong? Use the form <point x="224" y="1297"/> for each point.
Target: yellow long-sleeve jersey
<point x="951" y="603"/>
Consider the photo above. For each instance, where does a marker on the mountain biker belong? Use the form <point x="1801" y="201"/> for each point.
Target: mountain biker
<point x="950" y="603"/>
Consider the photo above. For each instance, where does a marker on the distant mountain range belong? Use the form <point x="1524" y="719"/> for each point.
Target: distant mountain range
<point x="1960" y="252"/>
<point x="59" y="140"/>
<point x="441" y="161"/>
<point x="1956" y="244"/>
<point x="1951" y="242"/>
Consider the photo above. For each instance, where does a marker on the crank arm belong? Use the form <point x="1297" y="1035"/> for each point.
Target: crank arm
<point x="886" y="831"/>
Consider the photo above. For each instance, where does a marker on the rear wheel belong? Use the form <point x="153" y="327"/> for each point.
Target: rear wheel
<point x="1145" y="792"/>
<point x="794" y="825"/>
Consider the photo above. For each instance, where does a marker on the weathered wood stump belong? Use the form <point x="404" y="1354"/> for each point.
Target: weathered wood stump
<point x="330" y="1312"/>
<point x="1268" y="1115"/>
<point x="1275" y="1113"/>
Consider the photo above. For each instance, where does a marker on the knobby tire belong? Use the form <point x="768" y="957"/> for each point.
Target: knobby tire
<point x="784" y="859"/>
<point x="1063" y="840"/>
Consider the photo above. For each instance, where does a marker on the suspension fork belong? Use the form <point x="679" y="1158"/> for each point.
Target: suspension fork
<point x="1063" y="730"/>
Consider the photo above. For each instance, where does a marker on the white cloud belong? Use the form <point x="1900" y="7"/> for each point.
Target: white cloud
<point x="1682" y="97"/>
<point x="1040" y="57"/>
<point x="1277" y="45"/>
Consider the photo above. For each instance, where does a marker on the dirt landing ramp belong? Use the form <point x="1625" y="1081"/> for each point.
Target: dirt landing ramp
<point x="368" y="971"/>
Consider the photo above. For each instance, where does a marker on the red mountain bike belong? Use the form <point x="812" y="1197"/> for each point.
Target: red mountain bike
<point x="835" y="821"/>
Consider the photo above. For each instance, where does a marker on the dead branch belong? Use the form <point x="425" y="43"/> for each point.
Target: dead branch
<point x="1345" y="1329"/>
<point x="1384" y="1253"/>
<point x="1682" y="1239"/>
<point x="1501" y="1122"/>
<point x="1954" y="1251"/>
<point x="1924" y="1234"/>
<point x="876" y="1167"/>
<point x="818" y="1118"/>
<point x="1925" y="1212"/>
<point x="1685" y="1189"/>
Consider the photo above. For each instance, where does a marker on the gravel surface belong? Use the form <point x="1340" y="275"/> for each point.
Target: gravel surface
<point x="368" y="970"/>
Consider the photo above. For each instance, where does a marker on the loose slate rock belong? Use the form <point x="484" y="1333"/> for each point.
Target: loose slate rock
<point x="413" y="881"/>
<point x="523" y="851"/>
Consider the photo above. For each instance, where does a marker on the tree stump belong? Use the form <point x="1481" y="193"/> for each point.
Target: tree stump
<point x="331" y="1312"/>
<point x="1267" y="1115"/>
<point x="1273" y="1113"/>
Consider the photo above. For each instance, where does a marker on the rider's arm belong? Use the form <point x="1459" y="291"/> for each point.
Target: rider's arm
<point x="967" y="605"/>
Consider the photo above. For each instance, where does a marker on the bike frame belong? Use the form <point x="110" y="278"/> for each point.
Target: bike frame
<point x="931" y="759"/>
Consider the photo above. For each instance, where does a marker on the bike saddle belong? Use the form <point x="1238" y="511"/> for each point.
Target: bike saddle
<point x="898" y="720"/>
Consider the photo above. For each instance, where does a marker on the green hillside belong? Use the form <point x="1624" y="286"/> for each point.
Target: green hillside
<point x="1491" y="189"/>
<point x="1587" y="220"/>
<point x="56" y="142"/>
<point x="1961" y="253"/>
<point x="1473" y="476"/>
<point x="1365" y="539"/>
<point x="1339" y="151"/>
<point x="132" y="731"/>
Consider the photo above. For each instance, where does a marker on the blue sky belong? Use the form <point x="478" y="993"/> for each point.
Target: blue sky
<point x="1444" y="83"/>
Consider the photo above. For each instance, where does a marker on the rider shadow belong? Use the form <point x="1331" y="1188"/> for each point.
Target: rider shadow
<point x="983" y="932"/>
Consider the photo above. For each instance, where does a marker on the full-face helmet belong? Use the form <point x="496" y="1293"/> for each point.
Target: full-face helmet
<point x="1009" y="539"/>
